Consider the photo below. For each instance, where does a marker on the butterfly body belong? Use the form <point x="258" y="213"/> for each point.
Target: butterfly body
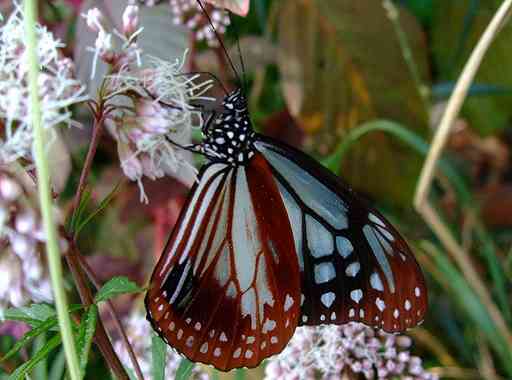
<point x="267" y="241"/>
<point x="228" y="135"/>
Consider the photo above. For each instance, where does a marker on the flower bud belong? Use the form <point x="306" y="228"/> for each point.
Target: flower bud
<point x="94" y="19"/>
<point x="130" y="19"/>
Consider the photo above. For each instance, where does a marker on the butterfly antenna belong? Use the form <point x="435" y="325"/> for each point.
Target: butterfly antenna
<point x="219" y="39"/>
<point x="241" y="57"/>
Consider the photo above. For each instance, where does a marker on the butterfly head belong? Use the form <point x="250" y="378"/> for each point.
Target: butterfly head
<point x="229" y="135"/>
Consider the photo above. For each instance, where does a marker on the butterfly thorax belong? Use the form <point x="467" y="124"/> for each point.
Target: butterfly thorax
<point x="229" y="136"/>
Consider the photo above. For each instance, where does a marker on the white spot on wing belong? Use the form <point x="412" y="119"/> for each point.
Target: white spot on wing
<point x="324" y="272"/>
<point x="375" y="219"/>
<point x="353" y="269"/>
<point x="249" y="306"/>
<point x="345" y="247"/>
<point x="327" y="299"/>
<point x="381" y="305"/>
<point x="407" y="305"/>
<point x="288" y="303"/>
<point x="320" y="240"/>
<point x="379" y="254"/>
<point x="376" y="282"/>
<point x="356" y="295"/>
<point x="269" y="325"/>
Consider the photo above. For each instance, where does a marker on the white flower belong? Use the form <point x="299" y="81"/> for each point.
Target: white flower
<point x="327" y="352"/>
<point x="145" y="128"/>
<point x="23" y="274"/>
<point x="58" y="89"/>
<point x="130" y="19"/>
<point x="139" y="334"/>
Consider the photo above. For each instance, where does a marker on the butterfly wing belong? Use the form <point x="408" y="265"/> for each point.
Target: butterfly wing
<point x="226" y="291"/>
<point x="354" y="265"/>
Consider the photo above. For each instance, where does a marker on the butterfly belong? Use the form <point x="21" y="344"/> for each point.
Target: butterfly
<point x="269" y="240"/>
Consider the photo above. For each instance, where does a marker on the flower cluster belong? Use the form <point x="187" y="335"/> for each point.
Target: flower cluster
<point x="24" y="278"/>
<point x="328" y="352"/>
<point x="150" y="106"/>
<point x="189" y="14"/>
<point x="57" y="87"/>
<point x="139" y="334"/>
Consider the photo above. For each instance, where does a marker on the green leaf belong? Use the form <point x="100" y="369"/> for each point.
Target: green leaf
<point x="35" y="313"/>
<point x="240" y="374"/>
<point x="58" y="366"/>
<point x="451" y="44"/>
<point x="185" y="369"/>
<point x="29" y="336"/>
<point x="25" y="368"/>
<point x="115" y="287"/>
<point x="103" y="204"/>
<point x="411" y="139"/>
<point x="85" y="335"/>
<point x="40" y="371"/>
<point x="76" y="218"/>
<point x="158" y="350"/>
<point x="471" y="304"/>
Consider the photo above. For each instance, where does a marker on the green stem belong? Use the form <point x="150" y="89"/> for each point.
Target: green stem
<point x="45" y="199"/>
<point x="394" y="17"/>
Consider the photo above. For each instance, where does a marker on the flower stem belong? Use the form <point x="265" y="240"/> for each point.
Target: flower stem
<point x="43" y="184"/>
<point x="93" y="146"/>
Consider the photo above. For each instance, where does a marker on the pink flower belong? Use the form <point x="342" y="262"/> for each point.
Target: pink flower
<point x="328" y="352"/>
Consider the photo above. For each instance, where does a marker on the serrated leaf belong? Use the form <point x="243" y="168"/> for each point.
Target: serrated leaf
<point x="158" y="351"/>
<point x="25" y="368"/>
<point x="34" y="314"/>
<point x="340" y="71"/>
<point x="115" y="287"/>
<point x="185" y="369"/>
<point x="29" y="336"/>
<point x="85" y="336"/>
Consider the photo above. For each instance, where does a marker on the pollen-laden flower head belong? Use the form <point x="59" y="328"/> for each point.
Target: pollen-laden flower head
<point x="150" y="109"/>
<point x="156" y="114"/>
<point x="189" y="14"/>
<point x="327" y="352"/>
<point x="24" y="277"/>
<point x="139" y="334"/>
<point x="58" y="89"/>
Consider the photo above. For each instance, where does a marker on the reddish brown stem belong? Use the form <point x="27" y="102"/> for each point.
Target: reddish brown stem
<point x="117" y="322"/>
<point x="101" y="338"/>
<point x="93" y="146"/>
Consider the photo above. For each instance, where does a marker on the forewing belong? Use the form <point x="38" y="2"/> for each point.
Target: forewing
<point x="226" y="291"/>
<point x="355" y="266"/>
